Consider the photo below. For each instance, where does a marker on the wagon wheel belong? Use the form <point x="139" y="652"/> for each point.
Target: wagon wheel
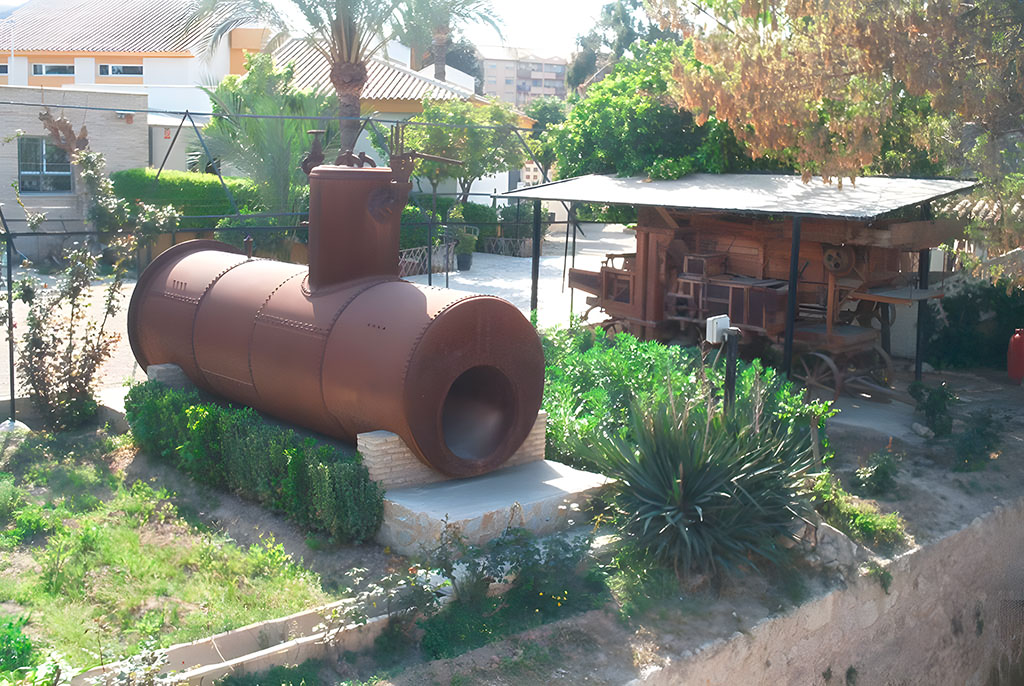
<point x="818" y="371"/>
<point x="871" y="376"/>
<point x="614" y="326"/>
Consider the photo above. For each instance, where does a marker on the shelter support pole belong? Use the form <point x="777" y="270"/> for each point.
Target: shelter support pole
<point x="794" y="273"/>
<point x="886" y="311"/>
<point x="924" y="265"/>
<point x="535" y="265"/>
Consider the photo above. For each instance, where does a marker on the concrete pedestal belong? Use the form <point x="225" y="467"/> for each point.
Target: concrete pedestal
<point x="540" y="496"/>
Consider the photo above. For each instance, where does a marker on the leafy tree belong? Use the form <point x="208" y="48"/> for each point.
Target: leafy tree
<point x="625" y="125"/>
<point x="482" y="137"/>
<point x="268" y="151"/>
<point x="547" y="112"/>
<point x="821" y="79"/>
<point x="347" y="33"/>
<point x="621" y="23"/>
<point x="430" y="23"/>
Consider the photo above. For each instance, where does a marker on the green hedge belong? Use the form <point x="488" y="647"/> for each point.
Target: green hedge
<point x="191" y="193"/>
<point x="236" y="449"/>
<point x="484" y="217"/>
<point x="972" y="325"/>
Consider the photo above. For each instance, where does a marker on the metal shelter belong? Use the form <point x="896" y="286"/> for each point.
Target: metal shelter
<point x="763" y="248"/>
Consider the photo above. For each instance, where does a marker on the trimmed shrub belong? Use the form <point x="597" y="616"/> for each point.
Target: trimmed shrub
<point x="315" y="484"/>
<point x="191" y="193"/>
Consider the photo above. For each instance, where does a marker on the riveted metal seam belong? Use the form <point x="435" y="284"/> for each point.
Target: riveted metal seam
<point x="252" y="333"/>
<point x="195" y="317"/>
<point x="330" y="329"/>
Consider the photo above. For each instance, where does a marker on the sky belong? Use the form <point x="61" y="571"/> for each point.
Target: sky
<point x="547" y="27"/>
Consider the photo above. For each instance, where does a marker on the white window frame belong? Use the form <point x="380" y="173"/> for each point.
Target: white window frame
<point x="112" y="67"/>
<point x="43" y="69"/>
<point x="43" y="171"/>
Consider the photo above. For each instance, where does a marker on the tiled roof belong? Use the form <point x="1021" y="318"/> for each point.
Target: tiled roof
<point x="387" y="80"/>
<point x="100" y="26"/>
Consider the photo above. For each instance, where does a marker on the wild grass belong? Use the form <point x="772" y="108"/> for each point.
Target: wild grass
<point x="107" y="566"/>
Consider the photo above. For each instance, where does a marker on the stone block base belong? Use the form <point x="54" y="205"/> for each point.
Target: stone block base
<point x="170" y="375"/>
<point x="540" y="496"/>
<point x="392" y="464"/>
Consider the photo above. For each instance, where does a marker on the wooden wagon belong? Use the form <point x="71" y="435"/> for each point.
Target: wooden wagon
<point x="808" y="267"/>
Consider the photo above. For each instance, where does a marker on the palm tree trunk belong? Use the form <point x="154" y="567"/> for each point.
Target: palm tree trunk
<point x="348" y="79"/>
<point x="440" y="50"/>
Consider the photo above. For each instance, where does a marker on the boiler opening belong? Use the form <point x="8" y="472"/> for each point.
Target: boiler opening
<point x="478" y="412"/>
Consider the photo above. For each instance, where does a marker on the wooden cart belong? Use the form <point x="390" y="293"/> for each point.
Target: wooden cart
<point x="690" y="265"/>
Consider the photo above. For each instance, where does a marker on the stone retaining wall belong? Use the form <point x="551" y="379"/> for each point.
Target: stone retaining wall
<point x="954" y="614"/>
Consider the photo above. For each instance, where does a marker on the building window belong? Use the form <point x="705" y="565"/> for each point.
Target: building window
<point x="42" y="166"/>
<point x="508" y="82"/>
<point x="3" y="69"/>
<point x="53" y="70"/>
<point x="120" y="70"/>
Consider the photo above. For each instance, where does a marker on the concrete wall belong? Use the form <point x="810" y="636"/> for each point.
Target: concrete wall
<point x="124" y="143"/>
<point x="954" y="614"/>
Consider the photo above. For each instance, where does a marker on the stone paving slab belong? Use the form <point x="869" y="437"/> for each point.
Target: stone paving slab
<point x="541" y="496"/>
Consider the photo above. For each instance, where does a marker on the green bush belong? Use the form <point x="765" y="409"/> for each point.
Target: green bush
<point x="972" y="326"/>
<point x="274" y="243"/>
<point x="158" y="418"/>
<point x="306" y="674"/>
<point x="15" y="647"/>
<point x="189" y="192"/>
<point x="879" y="475"/>
<point x="415" y="228"/>
<point x="593" y="381"/>
<point x="861" y="521"/>
<point x="235" y="448"/>
<point x="701" y="489"/>
<point x="977" y="443"/>
<point x="547" y="578"/>
<point x="934" y="403"/>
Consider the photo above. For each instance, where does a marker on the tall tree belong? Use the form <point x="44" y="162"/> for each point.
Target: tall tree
<point x="435" y="20"/>
<point x="620" y="24"/>
<point x="821" y="79"/>
<point x="627" y="125"/>
<point x="480" y="136"/>
<point x="346" y="32"/>
<point x="546" y="112"/>
<point x="268" y="151"/>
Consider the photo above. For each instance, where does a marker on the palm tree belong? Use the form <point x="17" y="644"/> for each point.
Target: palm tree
<point x="346" y="32"/>
<point x="437" y="19"/>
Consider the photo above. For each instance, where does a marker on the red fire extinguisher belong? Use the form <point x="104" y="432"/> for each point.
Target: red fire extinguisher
<point x="1015" y="357"/>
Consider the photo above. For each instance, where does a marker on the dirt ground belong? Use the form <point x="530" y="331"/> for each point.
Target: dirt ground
<point x="599" y="648"/>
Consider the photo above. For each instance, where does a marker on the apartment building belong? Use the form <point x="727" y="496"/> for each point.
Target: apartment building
<point x="518" y="76"/>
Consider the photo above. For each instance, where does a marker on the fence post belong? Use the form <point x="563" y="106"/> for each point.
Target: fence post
<point x="9" y="248"/>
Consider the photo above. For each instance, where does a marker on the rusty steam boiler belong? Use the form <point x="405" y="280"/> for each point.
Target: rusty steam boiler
<point x="345" y="346"/>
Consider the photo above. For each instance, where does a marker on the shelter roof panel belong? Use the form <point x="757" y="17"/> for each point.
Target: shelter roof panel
<point x="774" y="194"/>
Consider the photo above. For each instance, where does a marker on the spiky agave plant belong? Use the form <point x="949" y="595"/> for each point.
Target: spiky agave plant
<point x="703" y="489"/>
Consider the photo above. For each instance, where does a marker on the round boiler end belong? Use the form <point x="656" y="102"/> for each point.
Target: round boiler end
<point x="474" y="386"/>
<point x="477" y="413"/>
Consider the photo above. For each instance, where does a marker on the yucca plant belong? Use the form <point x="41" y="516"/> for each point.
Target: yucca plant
<point x="703" y="489"/>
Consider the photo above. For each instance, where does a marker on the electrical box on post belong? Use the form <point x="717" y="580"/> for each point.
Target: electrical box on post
<point x="716" y="328"/>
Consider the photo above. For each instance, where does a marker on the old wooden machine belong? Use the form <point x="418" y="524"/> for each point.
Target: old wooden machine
<point x="709" y="245"/>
